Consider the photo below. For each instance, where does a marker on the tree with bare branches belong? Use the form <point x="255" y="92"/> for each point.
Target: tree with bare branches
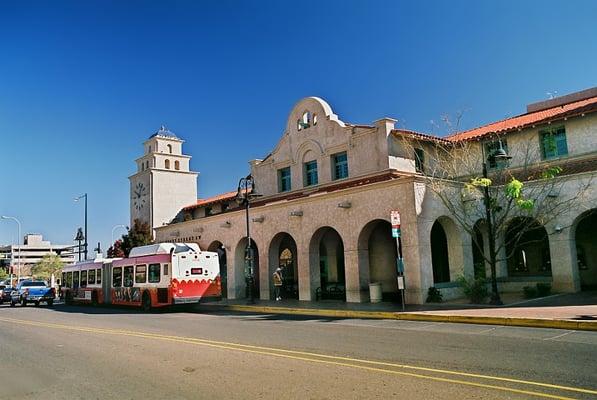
<point x="508" y="195"/>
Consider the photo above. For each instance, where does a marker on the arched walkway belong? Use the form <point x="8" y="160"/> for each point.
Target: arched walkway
<point x="439" y="254"/>
<point x="240" y="255"/>
<point x="283" y="253"/>
<point x="527" y="248"/>
<point x="218" y="247"/>
<point x="377" y="256"/>
<point x="326" y="255"/>
<point x="586" y="249"/>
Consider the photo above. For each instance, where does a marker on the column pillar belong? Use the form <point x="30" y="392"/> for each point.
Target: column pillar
<point x="564" y="270"/>
<point x="356" y="287"/>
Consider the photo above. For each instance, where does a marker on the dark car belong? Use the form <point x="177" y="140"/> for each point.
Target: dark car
<point x="5" y="294"/>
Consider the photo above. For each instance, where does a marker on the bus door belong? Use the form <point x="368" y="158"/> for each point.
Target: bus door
<point x="107" y="282"/>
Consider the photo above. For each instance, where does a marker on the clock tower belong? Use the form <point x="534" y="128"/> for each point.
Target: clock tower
<point x="163" y="183"/>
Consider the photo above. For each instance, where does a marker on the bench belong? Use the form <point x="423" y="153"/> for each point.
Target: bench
<point x="332" y="291"/>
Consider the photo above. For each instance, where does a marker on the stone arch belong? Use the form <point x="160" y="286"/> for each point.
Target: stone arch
<point x="377" y="253"/>
<point x="218" y="247"/>
<point x="326" y="262"/>
<point x="283" y="252"/>
<point x="446" y="250"/>
<point x="527" y="248"/>
<point x="241" y="275"/>
<point x="585" y="243"/>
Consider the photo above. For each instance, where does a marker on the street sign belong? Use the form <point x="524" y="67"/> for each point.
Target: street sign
<point x="395" y="218"/>
<point x="395" y="232"/>
<point x="401" y="283"/>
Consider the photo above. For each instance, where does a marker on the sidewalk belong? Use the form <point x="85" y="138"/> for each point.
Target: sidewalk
<point x="576" y="311"/>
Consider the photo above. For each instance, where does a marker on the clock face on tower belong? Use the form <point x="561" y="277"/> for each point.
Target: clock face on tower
<point x="139" y="196"/>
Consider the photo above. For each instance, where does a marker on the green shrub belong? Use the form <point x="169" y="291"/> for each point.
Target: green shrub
<point x="434" y="295"/>
<point x="530" y="292"/>
<point x="543" y="289"/>
<point x="474" y="289"/>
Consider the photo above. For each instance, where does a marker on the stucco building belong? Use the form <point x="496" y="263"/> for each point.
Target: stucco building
<point x="328" y="188"/>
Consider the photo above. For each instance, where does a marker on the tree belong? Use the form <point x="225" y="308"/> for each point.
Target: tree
<point x="116" y="251"/>
<point x="477" y="189"/>
<point x="48" y="266"/>
<point x="3" y="274"/>
<point x="138" y="235"/>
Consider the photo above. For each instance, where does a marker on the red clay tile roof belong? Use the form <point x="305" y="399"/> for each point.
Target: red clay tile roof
<point x="212" y="200"/>
<point x="419" y="135"/>
<point x="529" y="119"/>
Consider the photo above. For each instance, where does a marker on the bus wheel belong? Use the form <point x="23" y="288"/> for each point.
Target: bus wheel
<point x="94" y="299"/>
<point x="146" y="302"/>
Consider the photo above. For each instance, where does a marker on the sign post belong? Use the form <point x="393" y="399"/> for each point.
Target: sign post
<point x="395" y="220"/>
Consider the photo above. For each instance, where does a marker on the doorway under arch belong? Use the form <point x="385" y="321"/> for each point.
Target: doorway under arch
<point x="283" y="253"/>
<point x="586" y="249"/>
<point x="326" y="252"/>
<point x="240" y="257"/>
<point x="440" y="261"/>
<point x="527" y="248"/>
<point x="378" y="253"/>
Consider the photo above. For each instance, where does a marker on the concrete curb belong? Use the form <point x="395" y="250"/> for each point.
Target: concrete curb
<point x="413" y="316"/>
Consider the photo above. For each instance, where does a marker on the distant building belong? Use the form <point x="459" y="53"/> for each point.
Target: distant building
<point x="32" y="251"/>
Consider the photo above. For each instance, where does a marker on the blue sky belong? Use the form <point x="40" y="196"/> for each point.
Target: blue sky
<point x="82" y="84"/>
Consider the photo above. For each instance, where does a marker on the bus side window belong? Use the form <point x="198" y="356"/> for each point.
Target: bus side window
<point x="141" y="274"/>
<point x="83" y="278"/>
<point x="99" y="276"/>
<point x="117" y="277"/>
<point x="69" y="279"/>
<point x="76" y="279"/>
<point x="128" y="276"/>
<point x="64" y="278"/>
<point x="154" y="273"/>
<point x="91" y="277"/>
<point x="165" y="269"/>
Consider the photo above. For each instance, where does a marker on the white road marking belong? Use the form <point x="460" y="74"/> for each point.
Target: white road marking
<point x="559" y="336"/>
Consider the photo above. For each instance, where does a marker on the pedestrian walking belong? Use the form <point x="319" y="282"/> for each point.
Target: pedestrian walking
<point x="277" y="277"/>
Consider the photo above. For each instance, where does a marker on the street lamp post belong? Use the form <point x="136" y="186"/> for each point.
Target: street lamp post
<point x="84" y="244"/>
<point x="19" y="243"/>
<point x="246" y="191"/>
<point x="113" y="229"/>
<point x="499" y="154"/>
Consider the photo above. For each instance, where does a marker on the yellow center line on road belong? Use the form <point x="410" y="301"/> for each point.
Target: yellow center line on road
<point x="323" y="358"/>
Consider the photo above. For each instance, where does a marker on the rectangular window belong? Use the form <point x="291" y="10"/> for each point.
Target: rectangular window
<point x="490" y="149"/>
<point x="311" y="173"/>
<point x="141" y="274"/>
<point x="339" y="166"/>
<point x="553" y="142"/>
<point x="63" y="278"/>
<point x="91" y="277"/>
<point x="69" y="279"/>
<point x="128" y="277"/>
<point x="76" y="279"/>
<point x="154" y="273"/>
<point x="419" y="160"/>
<point x="284" y="179"/>
<point x="98" y="275"/>
<point x="83" y="278"/>
<point x="117" y="277"/>
<point x="165" y="269"/>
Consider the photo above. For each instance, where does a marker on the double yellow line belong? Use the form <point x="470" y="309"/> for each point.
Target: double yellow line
<point x="369" y="365"/>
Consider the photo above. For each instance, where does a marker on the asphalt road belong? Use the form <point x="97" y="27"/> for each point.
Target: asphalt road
<point x="114" y="353"/>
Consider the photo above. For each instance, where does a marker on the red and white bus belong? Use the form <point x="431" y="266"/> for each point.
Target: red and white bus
<point x="155" y="275"/>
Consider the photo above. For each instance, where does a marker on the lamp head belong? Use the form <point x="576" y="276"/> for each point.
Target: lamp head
<point x="500" y="153"/>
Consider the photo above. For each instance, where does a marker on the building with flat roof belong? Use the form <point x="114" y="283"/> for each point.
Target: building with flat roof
<point x="31" y="252"/>
<point x="328" y="188"/>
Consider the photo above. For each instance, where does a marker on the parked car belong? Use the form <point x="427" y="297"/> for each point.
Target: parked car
<point x="32" y="292"/>
<point x="5" y="294"/>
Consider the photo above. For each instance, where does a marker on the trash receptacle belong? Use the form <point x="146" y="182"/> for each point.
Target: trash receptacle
<point x="375" y="292"/>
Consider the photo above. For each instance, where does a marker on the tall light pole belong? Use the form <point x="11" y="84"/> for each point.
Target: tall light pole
<point x="113" y="229"/>
<point x="19" y="243"/>
<point x="246" y="191"/>
<point x="84" y="244"/>
<point x="498" y="155"/>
